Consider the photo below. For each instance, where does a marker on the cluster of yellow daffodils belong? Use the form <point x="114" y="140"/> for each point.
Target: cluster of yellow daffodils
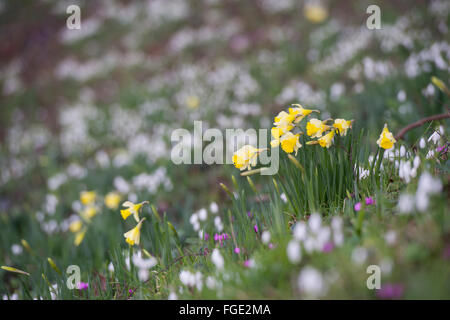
<point x="133" y="236"/>
<point x="87" y="198"/>
<point x="90" y="210"/>
<point x="246" y="157"/>
<point x="316" y="128"/>
<point x="284" y="123"/>
<point x="386" y="140"/>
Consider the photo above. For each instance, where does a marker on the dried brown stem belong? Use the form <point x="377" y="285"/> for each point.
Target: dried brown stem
<point x="420" y="123"/>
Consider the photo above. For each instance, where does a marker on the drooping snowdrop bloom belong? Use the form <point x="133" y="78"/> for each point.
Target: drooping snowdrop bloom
<point x="422" y="143"/>
<point x="435" y="137"/>
<point x="311" y="283"/>
<point x="217" y="259"/>
<point x="265" y="237"/>
<point x="202" y="214"/>
<point x="294" y="252"/>
<point x="359" y="255"/>
<point x="213" y="207"/>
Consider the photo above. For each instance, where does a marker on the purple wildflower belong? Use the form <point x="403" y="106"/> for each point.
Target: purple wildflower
<point x="370" y="201"/>
<point x="82" y="285"/>
<point x="237" y="250"/>
<point x="255" y="227"/>
<point x="358" y="206"/>
<point x="328" y="247"/>
<point x="390" y="291"/>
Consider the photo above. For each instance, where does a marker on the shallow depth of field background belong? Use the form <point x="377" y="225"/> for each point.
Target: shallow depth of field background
<point x="93" y="109"/>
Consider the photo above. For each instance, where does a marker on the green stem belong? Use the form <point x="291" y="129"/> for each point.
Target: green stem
<point x="380" y="159"/>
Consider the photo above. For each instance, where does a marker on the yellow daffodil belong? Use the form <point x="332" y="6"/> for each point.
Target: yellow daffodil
<point x="386" y="140"/>
<point x="342" y="126"/>
<point x="133" y="236"/>
<point x="327" y="140"/>
<point x="79" y="237"/>
<point x="112" y="200"/>
<point x="299" y="112"/>
<point x="75" y="226"/>
<point x="88" y="213"/>
<point x="133" y="209"/>
<point x="246" y="157"/>
<point x="324" y="141"/>
<point x="315" y="12"/>
<point x="290" y="143"/>
<point x="315" y="128"/>
<point x="277" y="132"/>
<point x="284" y="120"/>
<point x="88" y="197"/>
<point x="11" y="269"/>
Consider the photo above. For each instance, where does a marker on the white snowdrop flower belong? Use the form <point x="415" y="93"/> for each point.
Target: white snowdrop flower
<point x="202" y="214"/>
<point x="428" y="184"/>
<point x="390" y="237"/>
<point x="422" y="201"/>
<point x="218" y="224"/>
<point x="56" y="181"/>
<point x="386" y="266"/>
<point x="265" y="237"/>
<point x="338" y="238"/>
<point x="14" y="296"/>
<point x="111" y="267"/>
<point x="213" y="207"/>
<point x="309" y="244"/>
<point x="283" y="197"/>
<point x="435" y="137"/>
<point x="402" y="151"/>
<point x="198" y="280"/>
<point x="172" y="296"/>
<point x="416" y="162"/>
<point x="143" y="263"/>
<point x="430" y="154"/>
<point x="194" y="218"/>
<point x="300" y="231"/>
<point x="294" y="251"/>
<point x="127" y="263"/>
<point x="322" y="237"/>
<point x="405" y="203"/>
<point x="429" y="91"/>
<point x="53" y="291"/>
<point x="441" y="130"/>
<point x="311" y="283"/>
<point x="359" y="255"/>
<point x="121" y="185"/>
<point x="314" y="222"/>
<point x="401" y="96"/>
<point x="422" y="143"/>
<point x="211" y="283"/>
<point x="143" y="274"/>
<point x="16" y="249"/>
<point x="187" y="278"/>
<point x="196" y="226"/>
<point x="336" y="223"/>
<point x="217" y="259"/>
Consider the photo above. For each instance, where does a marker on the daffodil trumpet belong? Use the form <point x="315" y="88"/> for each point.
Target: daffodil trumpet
<point x="133" y="236"/>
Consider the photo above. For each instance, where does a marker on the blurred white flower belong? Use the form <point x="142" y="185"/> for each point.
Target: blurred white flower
<point x="217" y="259"/>
<point x="359" y="255"/>
<point x="294" y="251"/>
<point x="311" y="283"/>
<point x="265" y="237"/>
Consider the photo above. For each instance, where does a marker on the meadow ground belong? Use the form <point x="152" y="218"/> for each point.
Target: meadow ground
<point x="89" y="188"/>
